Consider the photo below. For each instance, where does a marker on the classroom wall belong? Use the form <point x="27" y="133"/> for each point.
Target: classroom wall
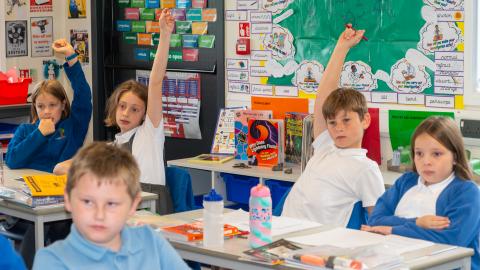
<point x="61" y="29"/>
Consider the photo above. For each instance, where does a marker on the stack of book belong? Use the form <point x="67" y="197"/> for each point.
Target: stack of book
<point x="38" y="190"/>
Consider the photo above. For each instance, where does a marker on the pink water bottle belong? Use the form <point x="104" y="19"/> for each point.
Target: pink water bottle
<point x="260" y="216"/>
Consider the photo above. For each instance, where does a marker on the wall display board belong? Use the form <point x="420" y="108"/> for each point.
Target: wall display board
<point x="413" y="54"/>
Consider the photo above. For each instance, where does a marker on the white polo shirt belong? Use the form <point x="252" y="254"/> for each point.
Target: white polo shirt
<point x="333" y="181"/>
<point x="421" y="200"/>
<point x="147" y="148"/>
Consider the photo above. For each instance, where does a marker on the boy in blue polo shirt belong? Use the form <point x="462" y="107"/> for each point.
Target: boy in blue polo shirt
<point x="102" y="192"/>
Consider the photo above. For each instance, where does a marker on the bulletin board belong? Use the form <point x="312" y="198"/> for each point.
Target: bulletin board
<point x="414" y="54"/>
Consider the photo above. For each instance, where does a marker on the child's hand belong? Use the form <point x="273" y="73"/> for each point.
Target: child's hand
<point x="167" y="21"/>
<point x="433" y="222"/>
<point x="385" y="230"/>
<point x="63" y="47"/>
<point x="350" y="37"/>
<point x="62" y="167"/>
<point x="46" y="126"/>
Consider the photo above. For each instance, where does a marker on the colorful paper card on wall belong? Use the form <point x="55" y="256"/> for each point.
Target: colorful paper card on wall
<point x="130" y="38"/>
<point x="156" y="38"/>
<point x="138" y="26"/>
<point x="138" y="3"/>
<point x="174" y="56"/>
<point x="199" y="3"/>
<point x="199" y="28"/>
<point x="178" y="14"/>
<point x="183" y="27"/>
<point x="123" y="3"/>
<point x="144" y="39"/>
<point x="152" y="27"/>
<point x="147" y="14"/>
<point x="123" y="26"/>
<point x="190" y="41"/>
<point x="158" y="12"/>
<point x="152" y="4"/>
<point x="167" y="3"/>
<point x="152" y="54"/>
<point x="209" y="14"/>
<point x="279" y="106"/>
<point x="175" y="40"/>
<point x="194" y="14"/>
<point x="206" y="41"/>
<point x="190" y="55"/>
<point x="142" y="54"/>
<point x="132" y="14"/>
<point x="184" y="4"/>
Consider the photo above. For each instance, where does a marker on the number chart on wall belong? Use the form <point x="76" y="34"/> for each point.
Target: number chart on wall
<point x="413" y="54"/>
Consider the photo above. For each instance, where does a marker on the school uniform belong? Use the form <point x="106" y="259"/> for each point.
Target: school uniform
<point x="30" y="149"/>
<point x="142" y="248"/>
<point x="10" y="259"/>
<point x="145" y="142"/>
<point x="459" y="200"/>
<point x="333" y="181"/>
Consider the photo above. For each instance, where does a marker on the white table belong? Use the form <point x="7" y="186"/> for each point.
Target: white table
<point x="40" y="215"/>
<point x="228" y="255"/>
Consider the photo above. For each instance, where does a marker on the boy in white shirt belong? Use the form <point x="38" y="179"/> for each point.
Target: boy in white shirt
<point x="339" y="174"/>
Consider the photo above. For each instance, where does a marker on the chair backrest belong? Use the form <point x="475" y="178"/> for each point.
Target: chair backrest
<point x="179" y="183"/>
<point x="277" y="211"/>
<point x="359" y="216"/>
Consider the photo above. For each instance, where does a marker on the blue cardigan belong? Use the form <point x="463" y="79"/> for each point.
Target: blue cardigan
<point x="30" y="149"/>
<point x="459" y="201"/>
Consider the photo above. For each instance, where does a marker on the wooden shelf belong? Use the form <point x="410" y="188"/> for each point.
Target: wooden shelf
<point x="17" y="110"/>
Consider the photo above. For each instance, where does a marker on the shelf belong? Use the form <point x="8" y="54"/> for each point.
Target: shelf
<point x="17" y="110"/>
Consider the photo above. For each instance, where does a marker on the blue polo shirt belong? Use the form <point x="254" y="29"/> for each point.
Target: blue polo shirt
<point x="142" y="248"/>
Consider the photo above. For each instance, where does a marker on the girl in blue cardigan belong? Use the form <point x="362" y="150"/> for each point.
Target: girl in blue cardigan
<point x="57" y="130"/>
<point x="437" y="201"/>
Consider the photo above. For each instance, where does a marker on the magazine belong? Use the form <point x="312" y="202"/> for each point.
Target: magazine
<point x="210" y="159"/>
<point x="273" y="253"/>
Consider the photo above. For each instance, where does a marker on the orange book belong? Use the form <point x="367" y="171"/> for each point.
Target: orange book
<point x="193" y="231"/>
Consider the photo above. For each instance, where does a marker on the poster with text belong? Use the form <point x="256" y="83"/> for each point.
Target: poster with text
<point x="79" y="41"/>
<point x="41" y="36"/>
<point x="16" y="38"/>
<point x="41" y="6"/>
<point x="77" y="9"/>
<point x="16" y="9"/>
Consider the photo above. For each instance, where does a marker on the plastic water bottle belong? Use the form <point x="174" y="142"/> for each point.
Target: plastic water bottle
<point x="260" y="216"/>
<point x="212" y="219"/>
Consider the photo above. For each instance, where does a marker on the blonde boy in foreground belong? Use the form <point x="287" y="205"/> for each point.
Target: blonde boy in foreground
<point x="102" y="192"/>
<point x="339" y="174"/>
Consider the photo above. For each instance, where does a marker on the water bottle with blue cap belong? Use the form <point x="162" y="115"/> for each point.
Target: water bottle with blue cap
<point x="212" y="219"/>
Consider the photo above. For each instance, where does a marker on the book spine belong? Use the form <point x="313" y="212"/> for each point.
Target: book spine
<point x="48" y="200"/>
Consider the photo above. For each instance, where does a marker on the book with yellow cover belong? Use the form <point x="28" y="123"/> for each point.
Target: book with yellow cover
<point x="211" y="158"/>
<point x="46" y="184"/>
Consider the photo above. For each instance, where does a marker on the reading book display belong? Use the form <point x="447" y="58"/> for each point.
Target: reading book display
<point x="266" y="141"/>
<point x="241" y="130"/>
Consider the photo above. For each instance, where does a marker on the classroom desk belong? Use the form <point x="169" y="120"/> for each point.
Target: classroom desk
<point x="261" y="172"/>
<point x="434" y="257"/>
<point x="40" y="215"/>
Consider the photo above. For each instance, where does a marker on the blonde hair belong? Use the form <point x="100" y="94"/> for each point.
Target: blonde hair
<point x="108" y="163"/>
<point x="446" y="132"/>
<point x="344" y="99"/>
<point x="54" y="88"/>
<point x="133" y="86"/>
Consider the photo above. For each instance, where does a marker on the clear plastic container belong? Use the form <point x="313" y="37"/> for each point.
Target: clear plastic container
<point x="213" y="220"/>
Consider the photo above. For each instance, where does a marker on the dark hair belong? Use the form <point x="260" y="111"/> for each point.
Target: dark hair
<point x="54" y="88"/>
<point x="138" y="89"/>
<point x="344" y="99"/>
<point x="446" y="132"/>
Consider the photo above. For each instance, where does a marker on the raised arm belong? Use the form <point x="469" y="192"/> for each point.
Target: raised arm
<point x="154" y="106"/>
<point x="331" y="76"/>
<point x="61" y="46"/>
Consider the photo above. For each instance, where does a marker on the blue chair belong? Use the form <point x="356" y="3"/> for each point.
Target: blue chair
<point x="277" y="211"/>
<point x="359" y="216"/>
<point x="179" y="184"/>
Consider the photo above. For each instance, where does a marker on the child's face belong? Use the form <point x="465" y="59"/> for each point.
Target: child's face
<point x="49" y="107"/>
<point x="434" y="162"/>
<point x="130" y="111"/>
<point x="346" y="129"/>
<point x="100" y="212"/>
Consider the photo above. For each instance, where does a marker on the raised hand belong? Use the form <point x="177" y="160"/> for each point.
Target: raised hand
<point x="63" y="47"/>
<point x="166" y="21"/>
<point x="46" y="126"/>
<point x="350" y="37"/>
<point x="433" y="222"/>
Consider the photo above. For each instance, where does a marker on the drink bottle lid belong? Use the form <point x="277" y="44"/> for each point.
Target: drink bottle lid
<point x="213" y="196"/>
<point x="260" y="191"/>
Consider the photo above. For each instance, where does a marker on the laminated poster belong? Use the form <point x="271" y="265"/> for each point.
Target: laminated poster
<point x="77" y="9"/>
<point x="41" y="36"/>
<point x="16" y="38"/>
<point x="40" y="6"/>
<point x="79" y="41"/>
